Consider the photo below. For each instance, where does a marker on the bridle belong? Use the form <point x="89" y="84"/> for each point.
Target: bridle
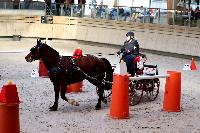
<point x="34" y="50"/>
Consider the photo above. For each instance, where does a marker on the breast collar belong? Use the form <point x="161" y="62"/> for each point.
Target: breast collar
<point x="72" y="64"/>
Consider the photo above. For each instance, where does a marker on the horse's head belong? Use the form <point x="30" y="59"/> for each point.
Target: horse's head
<point x="34" y="52"/>
<point x="140" y="60"/>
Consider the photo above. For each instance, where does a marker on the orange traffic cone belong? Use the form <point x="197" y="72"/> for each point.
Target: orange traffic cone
<point x="9" y="109"/>
<point x="172" y="93"/>
<point x="119" y="107"/>
<point x="9" y="94"/>
<point x="76" y="87"/>
<point x="43" y="72"/>
<point x="193" y="65"/>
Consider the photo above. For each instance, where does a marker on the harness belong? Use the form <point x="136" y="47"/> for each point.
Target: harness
<point x="73" y="67"/>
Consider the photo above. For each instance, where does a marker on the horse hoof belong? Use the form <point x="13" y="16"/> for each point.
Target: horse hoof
<point x="105" y="101"/>
<point x="53" y="108"/>
<point x="97" y="108"/>
<point x="73" y="102"/>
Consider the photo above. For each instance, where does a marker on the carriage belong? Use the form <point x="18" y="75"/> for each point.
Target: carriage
<point x="138" y="87"/>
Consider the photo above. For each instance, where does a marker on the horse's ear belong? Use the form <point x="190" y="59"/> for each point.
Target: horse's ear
<point x="38" y="42"/>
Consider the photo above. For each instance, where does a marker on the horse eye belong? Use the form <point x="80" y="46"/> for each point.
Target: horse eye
<point x="33" y="50"/>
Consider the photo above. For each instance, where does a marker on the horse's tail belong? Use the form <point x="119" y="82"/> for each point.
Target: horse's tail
<point x="109" y="74"/>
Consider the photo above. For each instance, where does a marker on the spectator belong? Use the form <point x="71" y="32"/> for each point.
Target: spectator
<point x="27" y="4"/>
<point x="114" y="14"/>
<point x="67" y="7"/>
<point x="180" y="6"/>
<point x="197" y="13"/>
<point x="142" y="11"/>
<point x="58" y="2"/>
<point x="15" y="4"/>
<point x="93" y="12"/>
<point x="191" y="13"/>
<point x="103" y="12"/>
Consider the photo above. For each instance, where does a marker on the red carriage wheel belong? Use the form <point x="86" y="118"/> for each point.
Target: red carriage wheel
<point x="135" y="92"/>
<point x="107" y="95"/>
<point x="153" y="89"/>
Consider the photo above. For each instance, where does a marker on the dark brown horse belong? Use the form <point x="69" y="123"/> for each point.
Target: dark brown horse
<point x="64" y="70"/>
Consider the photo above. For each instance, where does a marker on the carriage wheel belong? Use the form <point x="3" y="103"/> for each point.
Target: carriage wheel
<point x="135" y="92"/>
<point x="153" y="89"/>
<point x="107" y="95"/>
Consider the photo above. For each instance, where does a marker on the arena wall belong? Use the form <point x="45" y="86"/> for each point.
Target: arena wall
<point x="172" y="39"/>
<point x="22" y="12"/>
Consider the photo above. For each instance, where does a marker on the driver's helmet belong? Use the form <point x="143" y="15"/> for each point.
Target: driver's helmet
<point x="130" y="33"/>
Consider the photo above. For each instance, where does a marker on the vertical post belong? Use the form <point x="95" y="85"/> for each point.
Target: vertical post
<point x="106" y="11"/>
<point x="159" y="15"/>
<point x="72" y="6"/>
<point x="115" y="3"/>
<point x="131" y="13"/>
<point x="169" y="4"/>
<point x="132" y="2"/>
<point x="189" y="3"/>
<point x="61" y="9"/>
<point x="149" y="3"/>
<point x="5" y="5"/>
<point x="117" y="13"/>
<point x="82" y="10"/>
<point x="18" y="5"/>
<point x="45" y="8"/>
<point x="144" y="13"/>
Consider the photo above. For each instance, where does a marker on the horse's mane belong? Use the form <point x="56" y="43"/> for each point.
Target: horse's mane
<point x="51" y="50"/>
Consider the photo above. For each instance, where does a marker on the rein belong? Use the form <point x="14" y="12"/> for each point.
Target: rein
<point x="74" y="66"/>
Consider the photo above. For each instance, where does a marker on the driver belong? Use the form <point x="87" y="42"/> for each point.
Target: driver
<point x="130" y="50"/>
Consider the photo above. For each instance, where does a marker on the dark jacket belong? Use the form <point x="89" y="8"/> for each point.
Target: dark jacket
<point x="132" y="46"/>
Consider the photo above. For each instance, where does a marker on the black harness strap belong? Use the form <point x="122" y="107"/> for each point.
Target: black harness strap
<point x="74" y="66"/>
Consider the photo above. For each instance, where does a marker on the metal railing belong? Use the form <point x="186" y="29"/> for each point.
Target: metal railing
<point x="122" y="13"/>
<point x="34" y="5"/>
<point x="119" y="13"/>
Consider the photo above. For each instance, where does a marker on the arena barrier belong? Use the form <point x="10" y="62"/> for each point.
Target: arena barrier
<point x="163" y="38"/>
<point x="16" y="51"/>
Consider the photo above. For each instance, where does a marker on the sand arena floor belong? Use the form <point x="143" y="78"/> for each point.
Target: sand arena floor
<point x="36" y="95"/>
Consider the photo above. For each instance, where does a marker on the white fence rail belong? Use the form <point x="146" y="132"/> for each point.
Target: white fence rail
<point x="149" y="77"/>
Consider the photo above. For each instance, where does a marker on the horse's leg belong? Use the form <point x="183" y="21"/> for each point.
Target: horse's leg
<point x="56" y="90"/>
<point x="63" y="91"/>
<point x="100" y="87"/>
<point x="101" y="91"/>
